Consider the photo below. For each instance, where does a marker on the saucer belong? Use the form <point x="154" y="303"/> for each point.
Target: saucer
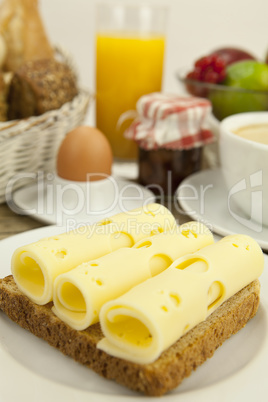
<point x="53" y="200"/>
<point x="204" y="197"/>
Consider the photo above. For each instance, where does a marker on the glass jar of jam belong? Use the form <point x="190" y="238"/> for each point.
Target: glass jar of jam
<point x="170" y="131"/>
<point x="166" y="168"/>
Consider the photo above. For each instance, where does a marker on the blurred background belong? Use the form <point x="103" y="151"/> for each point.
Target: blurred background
<point x="194" y="29"/>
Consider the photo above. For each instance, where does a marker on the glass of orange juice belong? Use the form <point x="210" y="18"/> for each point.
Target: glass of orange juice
<point x="130" y="44"/>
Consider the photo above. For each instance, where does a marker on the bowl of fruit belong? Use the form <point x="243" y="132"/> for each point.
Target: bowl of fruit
<point x="232" y="79"/>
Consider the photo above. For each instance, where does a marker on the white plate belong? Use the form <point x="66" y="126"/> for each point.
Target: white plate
<point x="31" y="370"/>
<point x="61" y="202"/>
<point x="204" y="197"/>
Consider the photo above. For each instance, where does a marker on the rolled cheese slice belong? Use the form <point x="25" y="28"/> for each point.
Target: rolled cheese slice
<point x="139" y="325"/>
<point x="80" y="293"/>
<point x="36" y="266"/>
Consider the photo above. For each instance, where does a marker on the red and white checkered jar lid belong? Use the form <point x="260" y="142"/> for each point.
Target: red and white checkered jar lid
<point x="171" y="122"/>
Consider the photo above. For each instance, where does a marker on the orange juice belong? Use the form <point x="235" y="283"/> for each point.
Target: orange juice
<point x="127" y="67"/>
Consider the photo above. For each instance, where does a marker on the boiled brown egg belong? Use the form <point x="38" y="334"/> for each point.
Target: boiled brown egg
<point x="85" y="154"/>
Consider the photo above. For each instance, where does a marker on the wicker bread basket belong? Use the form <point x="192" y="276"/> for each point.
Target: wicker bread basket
<point x="31" y="145"/>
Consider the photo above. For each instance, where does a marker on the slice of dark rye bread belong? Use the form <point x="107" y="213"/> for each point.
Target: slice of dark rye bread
<point x="153" y="379"/>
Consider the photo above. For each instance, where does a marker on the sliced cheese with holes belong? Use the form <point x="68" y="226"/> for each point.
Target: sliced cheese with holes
<point x="80" y="293"/>
<point x="139" y="325"/>
<point x="36" y="266"/>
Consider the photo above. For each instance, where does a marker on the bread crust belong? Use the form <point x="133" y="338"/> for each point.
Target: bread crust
<point x="24" y="34"/>
<point x="154" y="379"/>
<point x="39" y="86"/>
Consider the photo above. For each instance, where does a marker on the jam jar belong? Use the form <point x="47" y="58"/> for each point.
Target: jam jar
<point x="171" y="132"/>
<point x="166" y="168"/>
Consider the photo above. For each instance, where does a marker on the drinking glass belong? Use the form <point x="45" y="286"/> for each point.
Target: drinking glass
<point x="130" y="44"/>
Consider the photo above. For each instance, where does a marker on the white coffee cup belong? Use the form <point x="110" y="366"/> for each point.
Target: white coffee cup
<point x="244" y="165"/>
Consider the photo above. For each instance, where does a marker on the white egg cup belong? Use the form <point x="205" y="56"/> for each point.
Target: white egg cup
<point x="96" y="196"/>
<point x="55" y="200"/>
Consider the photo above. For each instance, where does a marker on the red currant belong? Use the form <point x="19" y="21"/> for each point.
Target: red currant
<point x="211" y="68"/>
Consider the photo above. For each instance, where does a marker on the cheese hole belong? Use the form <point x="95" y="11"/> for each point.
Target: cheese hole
<point x="121" y="239"/>
<point x="61" y="254"/>
<point x="196" y="265"/>
<point x="164" y="308"/>
<point x="161" y="292"/>
<point x="71" y="297"/>
<point x="56" y="238"/>
<point x="94" y="264"/>
<point x="174" y="299"/>
<point x="29" y="275"/>
<point x="247" y="248"/>
<point x="186" y="328"/>
<point x="194" y="234"/>
<point x="130" y="330"/>
<point x="189" y="233"/>
<point x="185" y="233"/>
<point x="105" y="222"/>
<point x="235" y="245"/>
<point x="97" y="281"/>
<point x="145" y="244"/>
<point x="159" y="263"/>
<point x="215" y="293"/>
<point x="150" y="213"/>
<point x="157" y="231"/>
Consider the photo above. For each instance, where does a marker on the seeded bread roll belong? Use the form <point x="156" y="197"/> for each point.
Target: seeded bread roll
<point x="154" y="379"/>
<point x="40" y="86"/>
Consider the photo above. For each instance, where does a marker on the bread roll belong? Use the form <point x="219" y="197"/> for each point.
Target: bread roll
<point x="23" y="31"/>
<point x="39" y="86"/>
